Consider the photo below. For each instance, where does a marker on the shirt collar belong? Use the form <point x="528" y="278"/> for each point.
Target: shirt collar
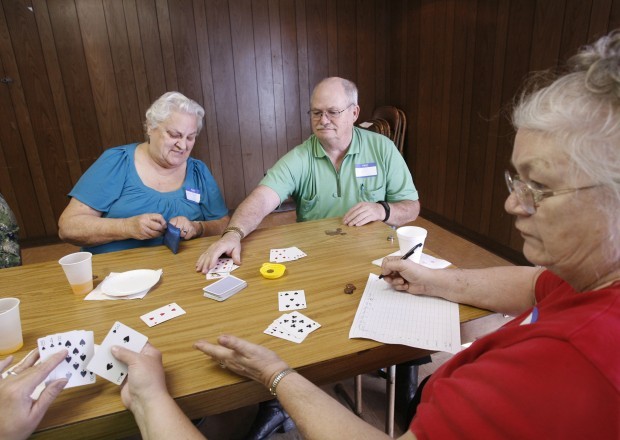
<point x="354" y="146"/>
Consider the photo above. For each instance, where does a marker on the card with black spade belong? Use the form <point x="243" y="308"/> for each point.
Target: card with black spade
<point x="107" y="366"/>
<point x="80" y="348"/>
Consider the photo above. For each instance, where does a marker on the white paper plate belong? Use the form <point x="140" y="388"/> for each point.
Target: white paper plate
<point x="128" y="283"/>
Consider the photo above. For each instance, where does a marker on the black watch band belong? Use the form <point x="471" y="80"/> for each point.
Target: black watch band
<point x="386" y="206"/>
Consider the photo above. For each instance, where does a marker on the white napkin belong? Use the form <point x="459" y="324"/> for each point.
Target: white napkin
<point x="425" y="260"/>
<point x="97" y="294"/>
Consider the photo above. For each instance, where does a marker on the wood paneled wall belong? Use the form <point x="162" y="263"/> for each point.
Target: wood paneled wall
<point x="85" y="71"/>
<point x="461" y="64"/>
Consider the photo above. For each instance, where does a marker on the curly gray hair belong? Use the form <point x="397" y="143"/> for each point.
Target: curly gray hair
<point x="170" y="102"/>
<point x="580" y="110"/>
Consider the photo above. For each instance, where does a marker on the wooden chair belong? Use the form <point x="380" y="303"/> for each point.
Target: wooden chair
<point x="403" y="130"/>
<point x="392" y="116"/>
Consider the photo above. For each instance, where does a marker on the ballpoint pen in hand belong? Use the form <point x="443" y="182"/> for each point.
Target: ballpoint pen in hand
<point x="407" y="255"/>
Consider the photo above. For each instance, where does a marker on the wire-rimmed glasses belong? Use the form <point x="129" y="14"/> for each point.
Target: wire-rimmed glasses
<point x="331" y="114"/>
<point x="530" y="197"/>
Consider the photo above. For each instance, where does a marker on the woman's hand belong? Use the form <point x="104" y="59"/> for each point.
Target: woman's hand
<point x="244" y="358"/>
<point x="146" y="380"/>
<point x="20" y="413"/>
<point x="145" y="226"/>
<point x="405" y="275"/>
<point x="188" y="228"/>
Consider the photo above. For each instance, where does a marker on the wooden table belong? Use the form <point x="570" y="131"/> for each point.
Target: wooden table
<point x="198" y="384"/>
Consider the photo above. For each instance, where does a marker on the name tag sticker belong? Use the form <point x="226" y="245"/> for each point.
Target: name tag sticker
<point x="366" y="169"/>
<point x="192" y="194"/>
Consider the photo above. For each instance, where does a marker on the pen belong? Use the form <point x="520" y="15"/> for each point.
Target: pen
<point x="407" y="255"/>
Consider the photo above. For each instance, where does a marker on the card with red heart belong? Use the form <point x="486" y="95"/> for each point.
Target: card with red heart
<point x="162" y="314"/>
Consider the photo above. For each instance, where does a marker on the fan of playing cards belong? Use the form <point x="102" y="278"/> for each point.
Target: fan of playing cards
<point x="83" y="361"/>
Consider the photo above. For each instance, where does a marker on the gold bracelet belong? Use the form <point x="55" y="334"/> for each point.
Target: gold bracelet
<point x="235" y="229"/>
<point x="202" y="229"/>
<point x="278" y="378"/>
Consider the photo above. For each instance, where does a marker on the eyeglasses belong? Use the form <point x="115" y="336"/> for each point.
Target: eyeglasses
<point x="331" y="114"/>
<point x="529" y="197"/>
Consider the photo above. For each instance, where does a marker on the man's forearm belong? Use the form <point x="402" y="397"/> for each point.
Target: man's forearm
<point x="251" y="212"/>
<point x="403" y="212"/>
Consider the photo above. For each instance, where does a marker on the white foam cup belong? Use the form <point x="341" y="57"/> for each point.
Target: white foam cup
<point x="410" y="236"/>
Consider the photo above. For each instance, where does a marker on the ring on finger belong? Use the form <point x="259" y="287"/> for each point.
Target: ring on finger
<point x="11" y="372"/>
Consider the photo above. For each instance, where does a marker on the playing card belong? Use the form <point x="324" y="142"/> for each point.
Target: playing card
<point x="224" y="288"/>
<point x="162" y="314"/>
<point x="107" y="366"/>
<point x="223" y="267"/>
<point x="297" y="324"/>
<point x="295" y="253"/>
<point x="172" y="238"/>
<point x="294" y="327"/>
<point x="277" y="255"/>
<point x="274" y="330"/>
<point x="80" y="350"/>
<point x="285" y="254"/>
<point x="291" y="300"/>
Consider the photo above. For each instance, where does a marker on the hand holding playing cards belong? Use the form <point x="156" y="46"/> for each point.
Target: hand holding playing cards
<point x="20" y="413"/>
<point x="145" y="377"/>
<point x="229" y="244"/>
<point x="145" y="394"/>
<point x="145" y="226"/>
<point x="244" y="358"/>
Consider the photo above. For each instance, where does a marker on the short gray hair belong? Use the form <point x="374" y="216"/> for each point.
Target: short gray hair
<point x="580" y="110"/>
<point x="350" y="89"/>
<point x="170" y="102"/>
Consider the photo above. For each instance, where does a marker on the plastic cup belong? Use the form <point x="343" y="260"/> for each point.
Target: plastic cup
<point x="408" y="237"/>
<point x="10" y="326"/>
<point x="78" y="268"/>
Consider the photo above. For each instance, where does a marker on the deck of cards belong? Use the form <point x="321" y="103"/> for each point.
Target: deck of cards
<point x="294" y="327"/>
<point x="224" y="288"/>
<point x="286" y="254"/>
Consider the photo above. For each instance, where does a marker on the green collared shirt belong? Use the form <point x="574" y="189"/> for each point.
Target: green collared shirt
<point x="372" y="170"/>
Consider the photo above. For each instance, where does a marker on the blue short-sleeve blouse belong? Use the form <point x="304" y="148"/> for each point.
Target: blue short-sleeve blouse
<point x="113" y="187"/>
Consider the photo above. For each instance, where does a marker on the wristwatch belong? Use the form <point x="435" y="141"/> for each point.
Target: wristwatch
<point x="386" y="206"/>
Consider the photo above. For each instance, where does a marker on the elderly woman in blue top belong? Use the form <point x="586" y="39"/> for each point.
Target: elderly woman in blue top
<point x="127" y="197"/>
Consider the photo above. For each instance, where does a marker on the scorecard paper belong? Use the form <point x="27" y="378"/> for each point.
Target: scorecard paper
<point x="393" y="317"/>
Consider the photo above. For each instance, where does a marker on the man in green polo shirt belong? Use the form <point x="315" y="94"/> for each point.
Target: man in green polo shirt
<point x="340" y="170"/>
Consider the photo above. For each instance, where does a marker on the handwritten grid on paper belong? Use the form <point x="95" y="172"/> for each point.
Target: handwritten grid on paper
<point x="393" y="317"/>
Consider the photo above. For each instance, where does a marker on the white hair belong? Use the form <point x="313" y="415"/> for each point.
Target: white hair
<point x="170" y="102"/>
